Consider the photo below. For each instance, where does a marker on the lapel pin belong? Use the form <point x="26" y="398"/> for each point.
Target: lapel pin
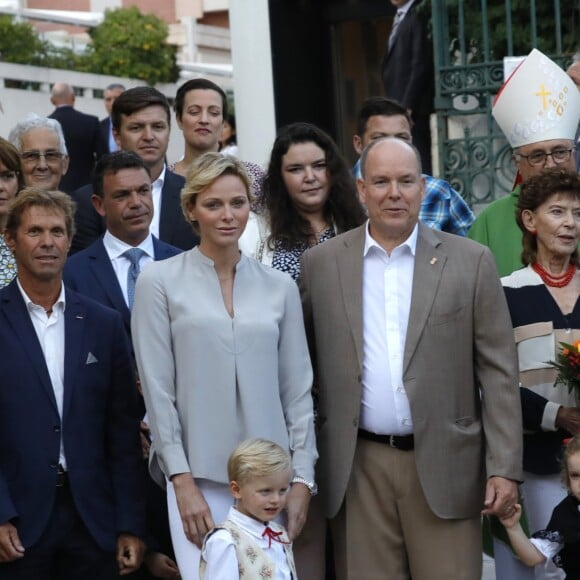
<point x="433" y="261"/>
<point x="78" y="317"/>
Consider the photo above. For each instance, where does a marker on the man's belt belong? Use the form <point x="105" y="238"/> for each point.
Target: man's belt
<point x="402" y="442"/>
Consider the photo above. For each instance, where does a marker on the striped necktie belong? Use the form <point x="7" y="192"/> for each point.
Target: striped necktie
<point x="133" y="255"/>
<point x="397" y="20"/>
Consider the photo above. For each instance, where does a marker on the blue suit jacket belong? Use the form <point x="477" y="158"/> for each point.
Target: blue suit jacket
<point x="91" y="273"/>
<point x="100" y="423"/>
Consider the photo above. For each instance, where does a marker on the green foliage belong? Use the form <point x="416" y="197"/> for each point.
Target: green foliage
<point x="19" y="42"/>
<point x="65" y="58"/>
<point x="129" y="43"/>
<point x="521" y="25"/>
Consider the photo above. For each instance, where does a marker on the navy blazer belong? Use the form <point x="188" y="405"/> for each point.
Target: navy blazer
<point x="91" y="273"/>
<point x="99" y="427"/>
<point x="173" y="228"/>
<point x="105" y="126"/>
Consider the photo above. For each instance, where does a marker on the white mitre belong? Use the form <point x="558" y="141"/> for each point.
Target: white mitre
<point x="538" y="102"/>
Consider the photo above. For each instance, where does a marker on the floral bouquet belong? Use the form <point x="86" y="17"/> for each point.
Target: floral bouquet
<point x="568" y="366"/>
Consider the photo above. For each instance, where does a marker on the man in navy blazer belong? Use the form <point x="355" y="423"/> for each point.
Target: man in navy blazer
<point x="122" y="196"/>
<point x="110" y="94"/>
<point x="70" y="481"/>
<point x="141" y="123"/>
<point x="82" y="134"/>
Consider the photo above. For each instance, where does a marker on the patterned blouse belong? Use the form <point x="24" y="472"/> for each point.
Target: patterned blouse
<point x="7" y="264"/>
<point x="255" y="172"/>
<point x="289" y="260"/>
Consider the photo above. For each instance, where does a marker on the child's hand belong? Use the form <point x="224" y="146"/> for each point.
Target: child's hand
<point x="509" y="521"/>
<point x="162" y="566"/>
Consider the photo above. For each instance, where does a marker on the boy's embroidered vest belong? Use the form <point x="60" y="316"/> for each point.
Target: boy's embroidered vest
<point x="253" y="562"/>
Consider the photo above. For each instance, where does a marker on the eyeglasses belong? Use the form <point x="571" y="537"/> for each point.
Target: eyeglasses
<point x="31" y="157"/>
<point x="7" y="176"/>
<point x="538" y="158"/>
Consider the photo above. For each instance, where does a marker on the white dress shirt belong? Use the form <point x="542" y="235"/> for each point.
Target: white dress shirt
<point x="387" y="286"/>
<point x="115" y="249"/>
<point x="219" y="551"/>
<point x="50" y="332"/>
<point x="156" y="190"/>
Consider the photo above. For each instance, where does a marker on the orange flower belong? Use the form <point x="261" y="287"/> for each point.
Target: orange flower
<point x="565" y="351"/>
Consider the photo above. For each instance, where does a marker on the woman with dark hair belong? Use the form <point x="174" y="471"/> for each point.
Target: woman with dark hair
<point x="201" y="110"/>
<point x="308" y="197"/>
<point x="11" y="182"/>
<point x="543" y="299"/>
<point x="228" y="140"/>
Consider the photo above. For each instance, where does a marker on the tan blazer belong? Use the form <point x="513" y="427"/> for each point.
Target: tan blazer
<point x="459" y="346"/>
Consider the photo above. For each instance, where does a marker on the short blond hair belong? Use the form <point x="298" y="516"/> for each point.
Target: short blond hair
<point x="256" y="458"/>
<point x="56" y="201"/>
<point x="571" y="448"/>
<point x="204" y="171"/>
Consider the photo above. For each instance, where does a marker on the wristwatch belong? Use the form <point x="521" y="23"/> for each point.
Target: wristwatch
<point x="312" y="487"/>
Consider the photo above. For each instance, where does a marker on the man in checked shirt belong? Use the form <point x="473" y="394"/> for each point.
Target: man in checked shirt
<point x="442" y="207"/>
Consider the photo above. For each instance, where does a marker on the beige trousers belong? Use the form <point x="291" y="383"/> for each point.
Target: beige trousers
<point x="385" y="529"/>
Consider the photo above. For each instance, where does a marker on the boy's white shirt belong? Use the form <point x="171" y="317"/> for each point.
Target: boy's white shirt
<point x="219" y="551"/>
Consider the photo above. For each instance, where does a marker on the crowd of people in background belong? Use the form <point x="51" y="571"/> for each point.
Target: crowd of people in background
<point x="214" y="370"/>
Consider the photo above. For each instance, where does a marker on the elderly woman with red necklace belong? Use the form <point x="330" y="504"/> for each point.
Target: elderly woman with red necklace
<point x="543" y="298"/>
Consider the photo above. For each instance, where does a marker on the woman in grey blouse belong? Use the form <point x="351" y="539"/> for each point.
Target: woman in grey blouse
<point x="222" y="356"/>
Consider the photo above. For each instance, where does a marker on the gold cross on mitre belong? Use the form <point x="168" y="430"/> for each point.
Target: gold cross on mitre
<point x="543" y="93"/>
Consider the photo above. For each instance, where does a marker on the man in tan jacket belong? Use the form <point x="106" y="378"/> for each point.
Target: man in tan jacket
<point x="419" y="412"/>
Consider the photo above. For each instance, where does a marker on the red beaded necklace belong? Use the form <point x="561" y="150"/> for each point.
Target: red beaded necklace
<point x="555" y="281"/>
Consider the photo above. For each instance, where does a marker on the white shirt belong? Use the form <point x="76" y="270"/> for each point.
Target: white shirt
<point x="156" y="190"/>
<point x="219" y="552"/>
<point x="115" y="249"/>
<point x="387" y="286"/>
<point x="50" y="333"/>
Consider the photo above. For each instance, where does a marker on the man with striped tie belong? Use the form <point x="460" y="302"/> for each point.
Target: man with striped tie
<point x="107" y="270"/>
<point x="408" y="73"/>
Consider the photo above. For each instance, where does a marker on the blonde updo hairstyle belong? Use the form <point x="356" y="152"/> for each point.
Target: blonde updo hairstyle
<point x="204" y="171"/>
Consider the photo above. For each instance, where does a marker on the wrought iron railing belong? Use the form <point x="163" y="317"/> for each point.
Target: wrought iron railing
<point x="470" y="38"/>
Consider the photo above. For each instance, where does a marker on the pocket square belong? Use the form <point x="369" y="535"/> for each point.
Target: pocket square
<point x="91" y="359"/>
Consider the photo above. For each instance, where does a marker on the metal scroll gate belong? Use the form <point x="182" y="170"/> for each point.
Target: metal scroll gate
<point x="471" y="38"/>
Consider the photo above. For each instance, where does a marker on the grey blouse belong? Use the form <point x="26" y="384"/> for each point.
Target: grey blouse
<point x="211" y="381"/>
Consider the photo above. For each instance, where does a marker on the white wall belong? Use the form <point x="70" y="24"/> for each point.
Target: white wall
<point x="17" y="103"/>
<point x="102" y="5"/>
<point x="253" y="79"/>
<point x="252" y="82"/>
